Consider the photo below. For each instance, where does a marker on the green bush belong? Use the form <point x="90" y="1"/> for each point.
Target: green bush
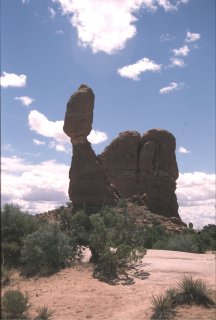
<point x="179" y="242"/>
<point x="15" y="226"/>
<point x="14" y="304"/>
<point x="208" y="237"/>
<point x="46" y="251"/>
<point x="114" y="240"/>
<point x="153" y="234"/>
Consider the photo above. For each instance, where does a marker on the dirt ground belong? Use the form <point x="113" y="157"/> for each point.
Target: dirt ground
<point x="73" y="294"/>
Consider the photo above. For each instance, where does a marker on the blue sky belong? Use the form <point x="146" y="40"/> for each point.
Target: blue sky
<point x="150" y="63"/>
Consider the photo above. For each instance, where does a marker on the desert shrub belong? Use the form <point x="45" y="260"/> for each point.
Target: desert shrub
<point x="193" y="291"/>
<point x="180" y="242"/>
<point x="43" y="313"/>
<point x="14" y="304"/>
<point x="46" y="251"/>
<point x="114" y="240"/>
<point x="162" y="307"/>
<point x="77" y="226"/>
<point x="15" y="226"/>
<point x="153" y="234"/>
<point x="208" y="237"/>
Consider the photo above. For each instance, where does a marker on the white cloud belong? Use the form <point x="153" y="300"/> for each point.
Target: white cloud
<point x="52" y="12"/>
<point x="107" y="25"/>
<point x="172" y="87"/>
<point x="196" y="197"/>
<point x="183" y="150"/>
<point x="36" y="187"/>
<point x="191" y="37"/>
<point x="134" y="70"/>
<point x="39" y="123"/>
<point x="25" y="1"/>
<point x="183" y="51"/>
<point x="59" y="32"/>
<point x="13" y="80"/>
<point x="167" y="5"/>
<point x="38" y="142"/>
<point x="166" y="37"/>
<point x="26" y="101"/>
<point x="96" y="137"/>
<point x="176" y="62"/>
<point x="59" y="147"/>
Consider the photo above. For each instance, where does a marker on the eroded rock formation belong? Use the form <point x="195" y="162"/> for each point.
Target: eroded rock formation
<point x="142" y="168"/>
<point x="89" y="187"/>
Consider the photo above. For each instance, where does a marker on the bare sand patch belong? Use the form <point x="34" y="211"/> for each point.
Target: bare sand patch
<point x="73" y="294"/>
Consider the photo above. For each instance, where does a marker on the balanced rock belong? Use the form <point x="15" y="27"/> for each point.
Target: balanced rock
<point x="79" y="115"/>
<point x="140" y="168"/>
<point x="89" y="187"/>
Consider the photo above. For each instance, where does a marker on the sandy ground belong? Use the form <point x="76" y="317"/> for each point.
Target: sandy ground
<point x="73" y="294"/>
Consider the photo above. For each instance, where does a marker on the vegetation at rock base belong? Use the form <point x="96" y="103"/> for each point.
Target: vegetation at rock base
<point x="15" y="226"/>
<point x="189" y="291"/>
<point x="38" y="246"/>
<point x="46" y="251"/>
<point x="113" y="238"/>
<point x="14" y="304"/>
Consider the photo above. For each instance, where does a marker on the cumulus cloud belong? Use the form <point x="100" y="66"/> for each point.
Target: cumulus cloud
<point x="183" y="150"/>
<point x="172" y="87"/>
<point x="13" y="80"/>
<point x="183" y="51"/>
<point x="192" y="37"/>
<point x="134" y="70"/>
<point x="196" y="197"/>
<point x="36" y="187"/>
<point x="97" y="136"/>
<point x="176" y="62"/>
<point x="38" y="142"/>
<point x="26" y="101"/>
<point x="107" y="25"/>
<point x="40" y="124"/>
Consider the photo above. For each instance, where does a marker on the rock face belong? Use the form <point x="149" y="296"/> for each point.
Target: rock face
<point x="141" y="168"/>
<point x="89" y="187"/>
<point x="144" y="169"/>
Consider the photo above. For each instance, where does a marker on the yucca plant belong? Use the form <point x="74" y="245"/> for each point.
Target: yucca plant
<point x="43" y="313"/>
<point x="194" y="291"/>
<point x="162" y="307"/>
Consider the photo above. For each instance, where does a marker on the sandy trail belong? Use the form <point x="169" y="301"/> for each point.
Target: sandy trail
<point x="73" y="294"/>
